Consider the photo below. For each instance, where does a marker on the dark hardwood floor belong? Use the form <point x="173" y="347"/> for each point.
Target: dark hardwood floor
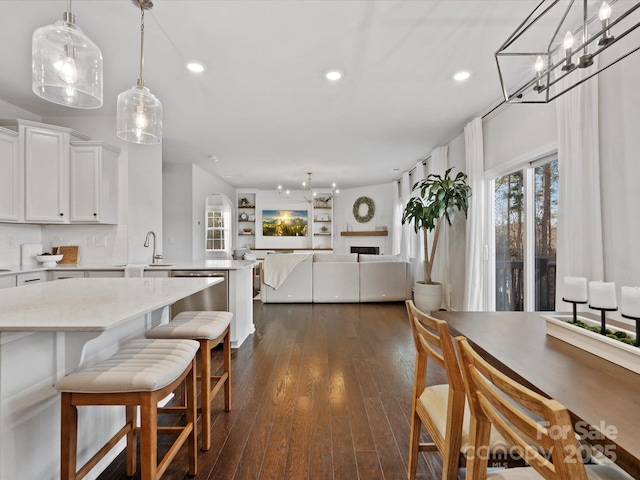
<point x="320" y="391"/>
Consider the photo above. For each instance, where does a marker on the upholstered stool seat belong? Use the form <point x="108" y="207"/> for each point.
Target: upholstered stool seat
<point x="209" y="328"/>
<point x="141" y="373"/>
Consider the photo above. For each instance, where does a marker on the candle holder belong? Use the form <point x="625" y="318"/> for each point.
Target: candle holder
<point x="575" y="307"/>
<point x="637" y="327"/>
<point x="603" y="321"/>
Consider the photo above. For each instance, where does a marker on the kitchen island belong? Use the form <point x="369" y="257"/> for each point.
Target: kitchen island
<point x="238" y="274"/>
<point x="49" y="329"/>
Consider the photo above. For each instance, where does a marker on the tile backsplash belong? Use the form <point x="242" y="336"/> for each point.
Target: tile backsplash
<point x="99" y="244"/>
<point x="12" y="237"/>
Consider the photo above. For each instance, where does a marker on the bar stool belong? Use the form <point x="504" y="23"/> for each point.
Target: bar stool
<point x="209" y="328"/>
<point x="141" y="373"/>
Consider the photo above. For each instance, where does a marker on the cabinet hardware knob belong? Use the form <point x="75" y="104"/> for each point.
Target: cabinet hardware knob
<point x="62" y="214"/>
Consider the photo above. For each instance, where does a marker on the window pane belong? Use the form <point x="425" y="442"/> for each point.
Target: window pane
<point x="509" y="242"/>
<point x="546" y="217"/>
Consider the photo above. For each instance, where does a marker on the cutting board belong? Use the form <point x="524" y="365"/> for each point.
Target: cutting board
<point x="70" y="254"/>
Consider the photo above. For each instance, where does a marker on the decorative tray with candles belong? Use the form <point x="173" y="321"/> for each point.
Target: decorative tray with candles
<point x="562" y="327"/>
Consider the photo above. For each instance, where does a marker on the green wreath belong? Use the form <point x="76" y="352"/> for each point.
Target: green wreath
<point x="371" y="209"/>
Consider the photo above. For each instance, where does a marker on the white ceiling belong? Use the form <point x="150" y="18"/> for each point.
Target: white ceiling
<point x="263" y="106"/>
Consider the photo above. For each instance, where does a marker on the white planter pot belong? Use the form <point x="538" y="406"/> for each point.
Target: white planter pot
<point x="427" y="297"/>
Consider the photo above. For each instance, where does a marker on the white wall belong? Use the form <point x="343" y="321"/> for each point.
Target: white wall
<point x="383" y="197"/>
<point x="186" y="188"/>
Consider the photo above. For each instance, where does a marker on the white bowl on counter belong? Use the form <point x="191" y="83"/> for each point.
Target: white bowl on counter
<point x="49" y="261"/>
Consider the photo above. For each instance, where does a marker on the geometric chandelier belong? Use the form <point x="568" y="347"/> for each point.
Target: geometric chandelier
<point x="139" y="112"/>
<point x="562" y="44"/>
<point x="66" y="66"/>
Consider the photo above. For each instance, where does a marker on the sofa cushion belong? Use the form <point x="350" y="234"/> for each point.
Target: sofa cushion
<point x="335" y="257"/>
<point x="379" y="258"/>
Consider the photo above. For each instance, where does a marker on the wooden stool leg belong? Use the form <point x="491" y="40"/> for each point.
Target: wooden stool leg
<point x="132" y="447"/>
<point x="68" y="438"/>
<point x="192" y="418"/>
<point x="226" y="351"/>
<point x="148" y="438"/>
<point x="205" y="392"/>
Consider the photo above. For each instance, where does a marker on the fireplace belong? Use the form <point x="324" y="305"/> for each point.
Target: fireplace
<point x="366" y="250"/>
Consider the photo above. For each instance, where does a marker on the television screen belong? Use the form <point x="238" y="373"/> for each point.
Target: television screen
<point x="285" y="223"/>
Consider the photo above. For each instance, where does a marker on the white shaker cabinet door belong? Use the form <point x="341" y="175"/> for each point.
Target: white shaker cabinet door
<point x="94" y="182"/>
<point x="11" y="177"/>
<point x="46" y="158"/>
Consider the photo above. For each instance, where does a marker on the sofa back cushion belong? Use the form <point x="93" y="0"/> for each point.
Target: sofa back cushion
<point x="335" y="257"/>
<point x="379" y="258"/>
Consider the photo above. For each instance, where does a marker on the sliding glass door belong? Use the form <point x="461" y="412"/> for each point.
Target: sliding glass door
<point x="525" y="222"/>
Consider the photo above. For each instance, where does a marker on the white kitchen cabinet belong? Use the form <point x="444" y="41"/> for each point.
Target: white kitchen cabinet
<point x="7" y="281"/>
<point x="11" y="209"/>
<point x="44" y="155"/>
<point x="93" y="169"/>
<point x="29" y="278"/>
<point x="64" y="275"/>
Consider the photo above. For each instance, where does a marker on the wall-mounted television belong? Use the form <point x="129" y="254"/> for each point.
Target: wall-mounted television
<point x="285" y="223"/>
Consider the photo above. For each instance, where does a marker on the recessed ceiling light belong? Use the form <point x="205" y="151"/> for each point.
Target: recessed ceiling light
<point x="461" y="76"/>
<point x="195" y="67"/>
<point x="333" y="75"/>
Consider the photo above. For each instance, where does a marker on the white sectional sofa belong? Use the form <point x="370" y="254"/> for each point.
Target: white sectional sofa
<point x="340" y="278"/>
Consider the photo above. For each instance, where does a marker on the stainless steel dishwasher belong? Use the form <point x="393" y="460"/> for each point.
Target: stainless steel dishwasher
<point x="215" y="297"/>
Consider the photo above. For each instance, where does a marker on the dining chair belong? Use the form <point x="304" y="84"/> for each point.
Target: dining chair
<point x="441" y="408"/>
<point x="539" y="428"/>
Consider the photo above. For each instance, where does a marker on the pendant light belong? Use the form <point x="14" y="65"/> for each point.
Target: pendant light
<point x="139" y="113"/>
<point x="66" y="65"/>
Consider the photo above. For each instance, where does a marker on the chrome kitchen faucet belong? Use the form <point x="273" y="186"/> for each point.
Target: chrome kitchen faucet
<point x="155" y="257"/>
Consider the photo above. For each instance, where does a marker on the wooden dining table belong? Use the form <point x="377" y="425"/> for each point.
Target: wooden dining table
<point x="602" y="397"/>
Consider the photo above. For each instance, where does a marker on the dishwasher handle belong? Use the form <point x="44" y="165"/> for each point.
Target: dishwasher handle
<point x="198" y="274"/>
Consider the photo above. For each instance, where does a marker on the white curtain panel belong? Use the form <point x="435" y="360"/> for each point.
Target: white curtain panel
<point x="407" y="229"/>
<point x="396" y="229"/>
<point x="417" y="240"/>
<point x="440" y="272"/>
<point x="476" y="218"/>
<point x="580" y="243"/>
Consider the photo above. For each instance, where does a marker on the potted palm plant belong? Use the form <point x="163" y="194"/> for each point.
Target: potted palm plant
<point x="437" y="199"/>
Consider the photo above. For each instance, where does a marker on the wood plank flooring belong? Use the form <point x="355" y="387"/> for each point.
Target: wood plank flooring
<point x="320" y="391"/>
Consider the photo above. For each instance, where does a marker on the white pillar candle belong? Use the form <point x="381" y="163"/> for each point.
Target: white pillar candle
<point x="630" y="301"/>
<point x="575" y="289"/>
<point x="602" y="295"/>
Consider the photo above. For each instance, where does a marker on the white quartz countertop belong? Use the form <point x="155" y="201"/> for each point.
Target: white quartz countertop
<point x="90" y="304"/>
<point x="168" y="266"/>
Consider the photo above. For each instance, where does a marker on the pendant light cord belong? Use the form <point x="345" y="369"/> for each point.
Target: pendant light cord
<point x="140" y="80"/>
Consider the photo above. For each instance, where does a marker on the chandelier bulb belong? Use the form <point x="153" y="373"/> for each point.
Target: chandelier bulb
<point x="568" y="41"/>
<point x="605" y="12"/>
<point x="141" y="118"/>
<point x="539" y="65"/>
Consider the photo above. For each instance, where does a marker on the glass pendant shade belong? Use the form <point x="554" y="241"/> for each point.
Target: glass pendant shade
<point x="139" y="116"/>
<point x="66" y="66"/>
